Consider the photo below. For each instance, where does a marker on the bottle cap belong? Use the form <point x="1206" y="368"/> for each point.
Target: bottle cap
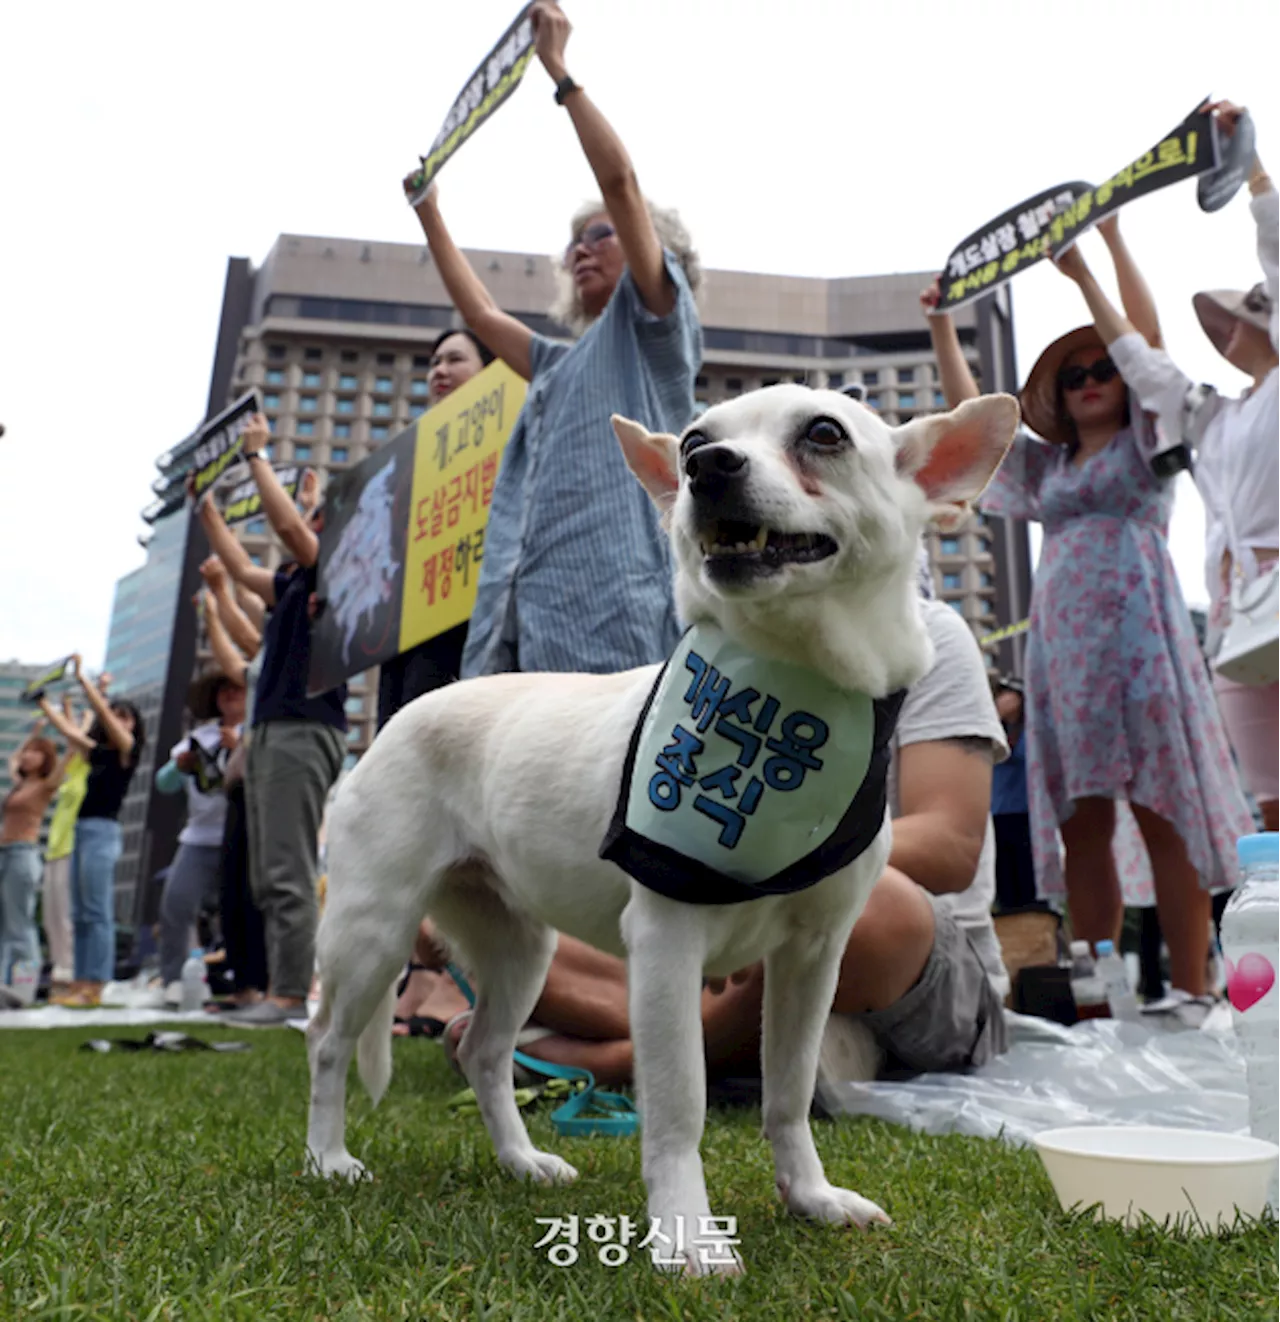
<point x="1260" y="849"/>
<point x="1106" y="948"/>
<point x="1079" y="948"/>
<point x="197" y="953"/>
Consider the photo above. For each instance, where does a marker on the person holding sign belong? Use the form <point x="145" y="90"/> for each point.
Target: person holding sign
<point x="456" y="357"/>
<point x="112" y="747"/>
<point x="296" y="743"/>
<point x="35" y="771"/>
<point x="576" y="574"/>
<point x="1234" y="441"/>
<point x="1121" y="725"/>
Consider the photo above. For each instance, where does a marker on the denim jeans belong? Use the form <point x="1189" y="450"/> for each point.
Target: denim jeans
<point x="19" y="881"/>
<point x="93" y="879"/>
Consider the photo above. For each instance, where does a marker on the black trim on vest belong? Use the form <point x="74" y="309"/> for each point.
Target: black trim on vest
<point x="669" y="872"/>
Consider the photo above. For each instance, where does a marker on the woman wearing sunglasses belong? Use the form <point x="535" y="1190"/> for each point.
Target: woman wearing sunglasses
<point x="1121" y="725"/>
<point x="576" y="572"/>
<point x="1235" y="458"/>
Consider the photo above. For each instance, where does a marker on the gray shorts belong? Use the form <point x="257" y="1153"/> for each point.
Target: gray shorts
<point x="950" y="1020"/>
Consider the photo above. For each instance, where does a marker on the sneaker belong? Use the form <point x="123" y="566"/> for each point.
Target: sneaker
<point x="1179" y="1011"/>
<point x="265" y="1014"/>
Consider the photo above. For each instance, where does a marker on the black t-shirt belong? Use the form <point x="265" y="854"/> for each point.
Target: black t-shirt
<point x="281" y="694"/>
<point x="108" y="781"/>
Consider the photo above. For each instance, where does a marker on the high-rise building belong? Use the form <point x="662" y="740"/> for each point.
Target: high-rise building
<point x="335" y="334"/>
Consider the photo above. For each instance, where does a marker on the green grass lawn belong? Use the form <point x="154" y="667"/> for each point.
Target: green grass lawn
<point x="154" y="1186"/>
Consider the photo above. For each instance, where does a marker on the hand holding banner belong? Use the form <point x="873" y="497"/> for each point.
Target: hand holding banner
<point x="1050" y="222"/>
<point x="221" y="441"/>
<point x="35" y="690"/>
<point x="495" y="78"/>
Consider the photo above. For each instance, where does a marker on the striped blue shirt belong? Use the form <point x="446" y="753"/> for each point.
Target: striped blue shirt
<point x="577" y="572"/>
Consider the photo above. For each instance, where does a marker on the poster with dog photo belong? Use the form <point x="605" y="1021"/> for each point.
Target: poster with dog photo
<point x="403" y="534"/>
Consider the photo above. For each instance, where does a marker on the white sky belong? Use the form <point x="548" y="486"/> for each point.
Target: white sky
<point x="145" y="143"/>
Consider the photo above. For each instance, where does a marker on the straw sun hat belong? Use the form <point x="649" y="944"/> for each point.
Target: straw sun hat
<point x="1220" y="309"/>
<point x="1039" y="398"/>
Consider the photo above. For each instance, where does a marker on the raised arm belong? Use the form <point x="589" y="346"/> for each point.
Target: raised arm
<point x="67" y="727"/>
<point x="504" y="336"/>
<point x="1110" y="323"/>
<point x="232" y="618"/>
<point x="611" y="166"/>
<point x="953" y="370"/>
<point x="230" y="662"/>
<point x="225" y="546"/>
<point x="120" y="738"/>
<point x="1135" y="294"/>
<point x="277" y="504"/>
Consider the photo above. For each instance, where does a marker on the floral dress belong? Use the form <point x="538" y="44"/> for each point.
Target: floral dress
<point x="1119" y="703"/>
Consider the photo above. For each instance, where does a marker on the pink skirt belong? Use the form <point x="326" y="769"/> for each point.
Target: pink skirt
<point x="1251" y="714"/>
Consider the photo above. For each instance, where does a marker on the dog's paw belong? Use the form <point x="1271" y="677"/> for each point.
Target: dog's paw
<point x="540" y="1167"/>
<point x="337" y="1166"/>
<point x="841" y="1207"/>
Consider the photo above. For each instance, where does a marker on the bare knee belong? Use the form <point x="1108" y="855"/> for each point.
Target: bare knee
<point x="888" y="948"/>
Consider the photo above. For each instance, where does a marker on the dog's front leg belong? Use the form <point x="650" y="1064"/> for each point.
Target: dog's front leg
<point x="666" y="949"/>
<point x="799" y="986"/>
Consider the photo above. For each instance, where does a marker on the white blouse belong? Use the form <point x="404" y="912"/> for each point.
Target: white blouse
<point x="1236" y="468"/>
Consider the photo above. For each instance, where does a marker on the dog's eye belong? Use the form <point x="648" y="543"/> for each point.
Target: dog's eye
<point x="826" y="433"/>
<point x="693" y="441"/>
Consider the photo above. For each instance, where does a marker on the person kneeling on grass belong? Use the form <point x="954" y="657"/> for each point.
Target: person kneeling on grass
<point x="922" y="974"/>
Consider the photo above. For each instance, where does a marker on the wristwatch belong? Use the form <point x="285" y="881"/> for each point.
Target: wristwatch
<point x="564" y="87"/>
<point x="251" y="455"/>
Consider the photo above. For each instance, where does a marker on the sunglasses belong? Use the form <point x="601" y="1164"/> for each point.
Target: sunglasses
<point x="1074" y="378"/>
<point x="591" y="237"/>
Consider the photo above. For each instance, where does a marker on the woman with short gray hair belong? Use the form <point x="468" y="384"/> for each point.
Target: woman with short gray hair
<point x="576" y="574"/>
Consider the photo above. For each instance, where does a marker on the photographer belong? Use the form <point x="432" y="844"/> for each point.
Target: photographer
<point x="198" y="765"/>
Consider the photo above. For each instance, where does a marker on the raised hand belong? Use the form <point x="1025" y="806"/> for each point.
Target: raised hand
<point x="1072" y="264"/>
<point x="930" y="298"/>
<point x="551" y="30"/>
<point x="214" y="572"/>
<point x="256" y="435"/>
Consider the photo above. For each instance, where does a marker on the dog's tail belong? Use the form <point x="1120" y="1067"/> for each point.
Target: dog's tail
<point x="373" y="1051"/>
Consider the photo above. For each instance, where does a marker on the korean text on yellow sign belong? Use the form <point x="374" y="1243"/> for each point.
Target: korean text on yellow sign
<point x="458" y="449"/>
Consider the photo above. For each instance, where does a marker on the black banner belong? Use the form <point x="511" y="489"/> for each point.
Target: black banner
<point x="362" y="564"/>
<point x="55" y="673"/>
<point x="242" y="500"/>
<point x="1010" y="243"/>
<point x="495" y="78"/>
<point x="1187" y="151"/>
<point x="1050" y="222"/>
<point x="219" y="443"/>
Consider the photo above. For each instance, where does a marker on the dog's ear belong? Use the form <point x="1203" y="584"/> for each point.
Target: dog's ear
<point x="652" y="457"/>
<point x="952" y="456"/>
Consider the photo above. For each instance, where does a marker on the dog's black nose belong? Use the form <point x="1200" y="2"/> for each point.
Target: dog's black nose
<point x="712" y="468"/>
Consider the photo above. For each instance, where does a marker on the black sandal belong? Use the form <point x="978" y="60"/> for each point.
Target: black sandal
<point x="421" y="1025"/>
<point x="409" y="969"/>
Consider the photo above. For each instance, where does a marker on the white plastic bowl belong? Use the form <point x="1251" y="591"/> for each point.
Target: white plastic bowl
<point x="1194" y="1178"/>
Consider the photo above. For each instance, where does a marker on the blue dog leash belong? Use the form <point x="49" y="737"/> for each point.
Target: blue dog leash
<point x="590" y="1111"/>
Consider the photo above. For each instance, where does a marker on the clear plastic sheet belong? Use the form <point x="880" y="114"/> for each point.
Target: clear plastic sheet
<point x="1099" y="1072"/>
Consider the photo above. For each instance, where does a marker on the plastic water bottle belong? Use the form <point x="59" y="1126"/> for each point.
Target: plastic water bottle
<point x="1122" y="1003"/>
<point x="1087" y="988"/>
<point x="1251" y="951"/>
<point x="195" y="982"/>
<point x="26" y="978"/>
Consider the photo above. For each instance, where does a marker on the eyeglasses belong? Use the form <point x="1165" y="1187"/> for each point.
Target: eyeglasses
<point x="591" y="237"/>
<point x="1074" y="378"/>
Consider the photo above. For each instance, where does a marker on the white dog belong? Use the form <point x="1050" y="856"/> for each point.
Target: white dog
<point x="794" y="517"/>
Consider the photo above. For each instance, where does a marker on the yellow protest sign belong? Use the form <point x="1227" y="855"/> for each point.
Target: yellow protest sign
<point x="459" y="447"/>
